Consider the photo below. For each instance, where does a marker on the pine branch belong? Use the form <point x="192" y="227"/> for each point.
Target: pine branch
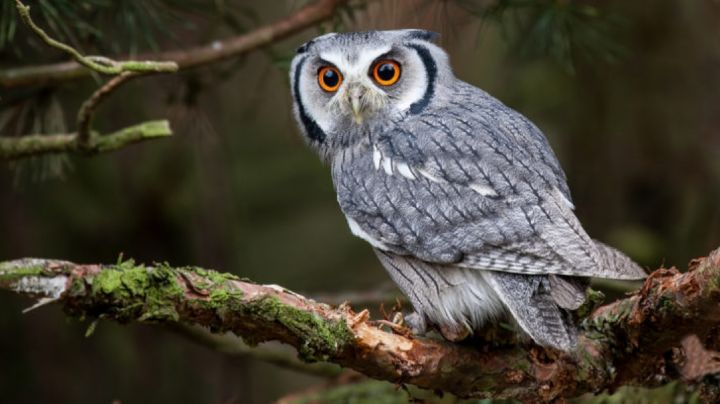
<point x="85" y="140"/>
<point x="305" y="17"/>
<point x="99" y="64"/>
<point x="626" y="342"/>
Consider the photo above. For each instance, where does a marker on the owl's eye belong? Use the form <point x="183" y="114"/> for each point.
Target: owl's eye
<point x="386" y="72"/>
<point x="329" y="78"/>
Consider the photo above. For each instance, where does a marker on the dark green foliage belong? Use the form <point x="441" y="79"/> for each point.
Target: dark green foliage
<point x="566" y="31"/>
<point x="112" y="26"/>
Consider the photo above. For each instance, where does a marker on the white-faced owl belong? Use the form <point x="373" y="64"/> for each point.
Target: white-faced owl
<point x="461" y="197"/>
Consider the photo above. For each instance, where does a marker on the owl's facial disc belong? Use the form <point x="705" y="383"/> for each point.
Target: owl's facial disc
<point x="364" y="97"/>
<point x="356" y="84"/>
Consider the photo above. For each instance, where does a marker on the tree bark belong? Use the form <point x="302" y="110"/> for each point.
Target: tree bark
<point x="635" y="340"/>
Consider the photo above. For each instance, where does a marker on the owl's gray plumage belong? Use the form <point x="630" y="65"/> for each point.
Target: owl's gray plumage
<point x="462" y="197"/>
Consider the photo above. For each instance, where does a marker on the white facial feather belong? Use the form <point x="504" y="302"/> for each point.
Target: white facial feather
<point x="321" y="114"/>
<point x="416" y="91"/>
<point x="357" y="69"/>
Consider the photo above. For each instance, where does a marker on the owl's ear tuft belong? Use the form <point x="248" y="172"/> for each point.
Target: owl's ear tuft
<point x="424" y="35"/>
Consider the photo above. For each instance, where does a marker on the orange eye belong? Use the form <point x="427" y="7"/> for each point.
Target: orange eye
<point x="329" y="78"/>
<point x="386" y="72"/>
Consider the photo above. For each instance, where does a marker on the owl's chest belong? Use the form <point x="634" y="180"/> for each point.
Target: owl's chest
<point x="385" y="206"/>
<point x="355" y="179"/>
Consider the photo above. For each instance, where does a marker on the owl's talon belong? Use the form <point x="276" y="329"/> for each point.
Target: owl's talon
<point x="396" y="328"/>
<point x="398" y="319"/>
<point x="416" y="322"/>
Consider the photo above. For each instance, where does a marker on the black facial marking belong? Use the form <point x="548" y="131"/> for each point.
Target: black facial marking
<point x="429" y="36"/>
<point x="304" y="48"/>
<point x="431" y="70"/>
<point x="311" y="127"/>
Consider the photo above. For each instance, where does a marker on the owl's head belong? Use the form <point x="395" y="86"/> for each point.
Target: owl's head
<point x="346" y="83"/>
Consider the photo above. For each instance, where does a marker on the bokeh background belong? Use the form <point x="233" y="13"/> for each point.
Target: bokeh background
<point x="626" y="92"/>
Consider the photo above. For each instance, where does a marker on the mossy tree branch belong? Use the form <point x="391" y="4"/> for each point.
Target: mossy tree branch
<point x="626" y="342"/>
<point x="232" y="346"/>
<point x="12" y="148"/>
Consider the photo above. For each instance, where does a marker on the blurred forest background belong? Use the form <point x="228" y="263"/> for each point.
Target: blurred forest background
<point x="627" y="93"/>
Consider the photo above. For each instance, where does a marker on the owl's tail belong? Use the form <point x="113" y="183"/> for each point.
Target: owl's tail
<point x="532" y="305"/>
<point x="569" y="291"/>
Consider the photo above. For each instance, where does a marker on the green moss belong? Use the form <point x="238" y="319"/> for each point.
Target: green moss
<point x="593" y="300"/>
<point x="223" y="298"/>
<point x="320" y="335"/>
<point x="10" y="274"/>
<point x="588" y="365"/>
<point x="321" y="338"/>
<point x="121" y="281"/>
<point x="713" y="284"/>
<point x="523" y="365"/>
<point x="210" y="278"/>
<point x="666" y="305"/>
<point x="108" y="282"/>
<point x="136" y="292"/>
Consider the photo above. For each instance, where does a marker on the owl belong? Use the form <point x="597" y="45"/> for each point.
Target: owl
<point x="461" y="198"/>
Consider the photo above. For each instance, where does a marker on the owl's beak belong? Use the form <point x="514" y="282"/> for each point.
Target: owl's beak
<point x="357" y="115"/>
<point x="356" y="95"/>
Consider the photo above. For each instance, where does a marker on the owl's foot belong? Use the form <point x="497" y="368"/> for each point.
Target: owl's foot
<point x="397" y="328"/>
<point x="456" y="332"/>
<point x="416" y="322"/>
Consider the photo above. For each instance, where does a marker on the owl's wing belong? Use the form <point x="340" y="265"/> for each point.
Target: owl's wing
<point x="475" y="184"/>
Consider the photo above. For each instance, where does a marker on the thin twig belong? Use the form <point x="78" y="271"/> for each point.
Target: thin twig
<point x="87" y="110"/>
<point x="95" y="63"/>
